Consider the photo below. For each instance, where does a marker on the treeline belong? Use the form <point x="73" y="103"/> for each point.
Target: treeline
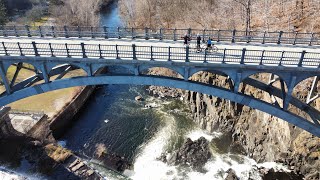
<point x="31" y="10"/>
<point x="77" y="12"/>
<point x="64" y="12"/>
<point x="288" y="15"/>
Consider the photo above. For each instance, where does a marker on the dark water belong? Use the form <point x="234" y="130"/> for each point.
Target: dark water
<point x="113" y="117"/>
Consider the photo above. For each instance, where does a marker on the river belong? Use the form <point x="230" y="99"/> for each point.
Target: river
<point x="114" y="118"/>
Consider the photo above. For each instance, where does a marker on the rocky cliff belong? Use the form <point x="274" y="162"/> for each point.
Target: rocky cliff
<point x="252" y="132"/>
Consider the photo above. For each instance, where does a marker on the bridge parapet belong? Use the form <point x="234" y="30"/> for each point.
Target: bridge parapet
<point x="234" y="36"/>
<point x="305" y="60"/>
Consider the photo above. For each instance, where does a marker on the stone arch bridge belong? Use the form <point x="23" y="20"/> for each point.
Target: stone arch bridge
<point x="51" y="61"/>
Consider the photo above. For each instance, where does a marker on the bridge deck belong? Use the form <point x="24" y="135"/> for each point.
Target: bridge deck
<point x="163" y="43"/>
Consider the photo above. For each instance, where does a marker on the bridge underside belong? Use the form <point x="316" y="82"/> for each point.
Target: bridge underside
<point x="27" y="89"/>
<point x="50" y="71"/>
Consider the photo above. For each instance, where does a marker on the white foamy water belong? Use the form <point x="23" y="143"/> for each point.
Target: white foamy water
<point x="196" y="134"/>
<point x="11" y="175"/>
<point x="147" y="167"/>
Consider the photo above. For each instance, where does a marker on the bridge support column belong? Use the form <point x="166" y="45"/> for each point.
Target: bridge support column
<point x="312" y="90"/>
<point x="19" y="66"/>
<point x="288" y="97"/>
<point x="136" y="71"/>
<point x="45" y="73"/>
<point x="186" y="74"/>
<point x="237" y="82"/>
<point x="4" y="78"/>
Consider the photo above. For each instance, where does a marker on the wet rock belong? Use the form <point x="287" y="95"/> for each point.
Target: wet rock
<point x="163" y="158"/>
<point x="192" y="153"/>
<point x="115" y="162"/>
<point x="138" y="98"/>
<point x="271" y="174"/>
<point x="36" y="143"/>
<point x="231" y="175"/>
<point x="151" y="105"/>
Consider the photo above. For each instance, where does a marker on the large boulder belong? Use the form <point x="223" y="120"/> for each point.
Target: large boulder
<point x="192" y="153"/>
<point x="231" y="175"/>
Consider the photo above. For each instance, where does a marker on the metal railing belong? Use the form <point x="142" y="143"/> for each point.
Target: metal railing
<point x="278" y="37"/>
<point x="156" y="53"/>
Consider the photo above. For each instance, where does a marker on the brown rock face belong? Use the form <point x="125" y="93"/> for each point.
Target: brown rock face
<point x="193" y="153"/>
<point x="254" y="133"/>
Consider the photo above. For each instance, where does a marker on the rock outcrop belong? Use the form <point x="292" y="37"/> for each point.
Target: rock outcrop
<point x="192" y="153"/>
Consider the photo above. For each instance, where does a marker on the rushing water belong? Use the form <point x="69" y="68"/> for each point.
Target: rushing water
<point x="112" y="117"/>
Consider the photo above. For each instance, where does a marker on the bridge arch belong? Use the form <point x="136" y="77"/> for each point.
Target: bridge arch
<point x="224" y="81"/>
<point x="285" y="77"/>
<point x="221" y="72"/>
<point x="169" y="82"/>
<point x="83" y="67"/>
<point x="8" y="64"/>
<point x="126" y="69"/>
<point x="162" y="71"/>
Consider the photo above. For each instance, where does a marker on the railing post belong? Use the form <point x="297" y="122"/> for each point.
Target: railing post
<point x="262" y="56"/>
<point x="187" y="53"/>
<point x="66" y="35"/>
<point x="134" y="52"/>
<point x="279" y="37"/>
<point x="53" y="32"/>
<point x="100" y="51"/>
<point x="175" y="34"/>
<point x="169" y="54"/>
<point x="311" y="39"/>
<point x="233" y="36"/>
<point x="264" y="37"/>
<point x="189" y="31"/>
<point x="224" y="55"/>
<point x="282" y="55"/>
<point x="295" y="38"/>
<point x="105" y="32"/>
<point x="117" y="52"/>
<point x="243" y="55"/>
<point x="67" y="49"/>
<point x="132" y="33"/>
<point x="203" y="34"/>
<point x="151" y="51"/>
<point x="92" y="33"/>
<point x="161" y="33"/>
<point x="249" y="37"/>
<point x="21" y="54"/>
<point x="5" y="49"/>
<point x="40" y="31"/>
<point x="119" y="36"/>
<point x="28" y="30"/>
<point x="218" y="40"/>
<point x="205" y="56"/>
<point x="146" y="33"/>
<point x="35" y="48"/>
<point x="15" y="31"/>
<point x="83" y="51"/>
<point x="301" y="58"/>
<point x="51" y="50"/>
<point x="4" y="31"/>
<point x="79" y="32"/>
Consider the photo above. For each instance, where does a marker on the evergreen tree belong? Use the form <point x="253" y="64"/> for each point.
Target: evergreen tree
<point x="3" y="13"/>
